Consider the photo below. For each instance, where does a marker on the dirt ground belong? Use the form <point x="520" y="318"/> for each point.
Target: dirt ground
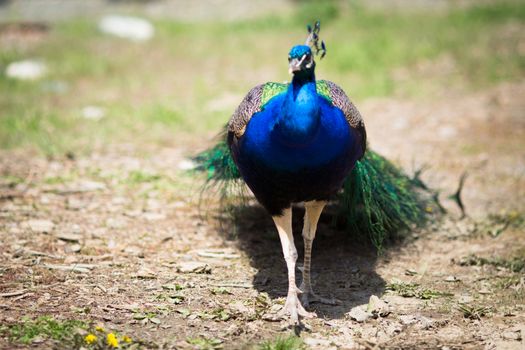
<point x="107" y="239"/>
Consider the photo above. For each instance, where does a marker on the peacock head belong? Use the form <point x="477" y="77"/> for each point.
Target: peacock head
<point x="301" y="57"/>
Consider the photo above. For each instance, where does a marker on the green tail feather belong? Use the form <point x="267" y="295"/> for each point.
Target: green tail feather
<point x="378" y="200"/>
<point x="222" y="174"/>
<point x="218" y="163"/>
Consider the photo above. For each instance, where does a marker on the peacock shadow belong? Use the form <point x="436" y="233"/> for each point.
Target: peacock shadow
<point x="342" y="268"/>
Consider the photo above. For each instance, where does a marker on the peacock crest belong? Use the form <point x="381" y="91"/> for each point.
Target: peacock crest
<point x="313" y="39"/>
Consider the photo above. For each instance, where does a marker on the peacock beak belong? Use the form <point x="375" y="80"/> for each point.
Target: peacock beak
<point x="295" y="65"/>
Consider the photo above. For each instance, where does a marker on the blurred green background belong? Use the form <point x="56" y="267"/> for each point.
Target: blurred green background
<point x="181" y="86"/>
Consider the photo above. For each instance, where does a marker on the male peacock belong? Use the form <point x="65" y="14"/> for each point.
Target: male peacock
<point x="303" y="142"/>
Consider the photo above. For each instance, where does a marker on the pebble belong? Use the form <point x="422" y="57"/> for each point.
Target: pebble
<point x="40" y="226"/>
<point x="75" y="204"/>
<point x="377" y="307"/>
<point x="422" y="321"/>
<point x="154" y="216"/>
<point x="145" y="273"/>
<point x="132" y="28"/>
<point x="26" y="70"/>
<point x="115" y="223"/>
<point x="452" y="279"/>
<point x="193" y="267"/>
<point x="317" y="342"/>
<point x="511" y="335"/>
<point x="447" y="132"/>
<point x="407" y="319"/>
<point x="93" y="112"/>
<point x="73" y="248"/>
<point x="186" y="164"/>
<point x="358" y="314"/>
<point x="82" y="187"/>
<point x="69" y="237"/>
<point x="238" y="306"/>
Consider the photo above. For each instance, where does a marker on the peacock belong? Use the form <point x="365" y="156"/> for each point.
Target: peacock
<point x="305" y="142"/>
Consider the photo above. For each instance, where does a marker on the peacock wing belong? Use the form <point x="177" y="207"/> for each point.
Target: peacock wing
<point x="254" y="102"/>
<point x="338" y="98"/>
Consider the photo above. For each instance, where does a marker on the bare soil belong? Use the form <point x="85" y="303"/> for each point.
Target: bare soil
<point x="107" y="238"/>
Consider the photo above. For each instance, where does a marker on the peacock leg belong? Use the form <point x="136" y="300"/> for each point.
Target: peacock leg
<point x="292" y="305"/>
<point x="311" y="217"/>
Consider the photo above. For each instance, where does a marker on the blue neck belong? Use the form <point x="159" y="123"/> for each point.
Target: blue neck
<point x="298" y="123"/>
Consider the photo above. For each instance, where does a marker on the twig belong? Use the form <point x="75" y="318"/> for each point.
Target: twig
<point x="457" y="196"/>
<point x="435" y="198"/>
<point x="13" y="294"/>
<point x="23" y="296"/>
<point x="36" y="253"/>
<point x="218" y="255"/>
<point x="416" y="179"/>
<point x="232" y="285"/>
<point x="75" y="268"/>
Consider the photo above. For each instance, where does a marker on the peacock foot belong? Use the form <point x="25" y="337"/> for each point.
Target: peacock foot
<point x="293" y="307"/>
<point x="309" y="297"/>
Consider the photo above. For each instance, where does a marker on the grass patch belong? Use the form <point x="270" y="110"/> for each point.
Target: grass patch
<point x="10" y="181"/>
<point x="45" y="327"/>
<point x="473" y="312"/>
<point x="498" y="223"/>
<point x="203" y="343"/>
<point x="68" y="334"/>
<point x="509" y="282"/>
<point x="138" y="176"/>
<point x="514" y="264"/>
<point x="288" y="343"/>
<point x="414" y="290"/>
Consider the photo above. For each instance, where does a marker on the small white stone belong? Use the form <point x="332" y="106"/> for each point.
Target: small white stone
<point x="377" y="307"/>
<point x="407" y="319"/>
<point x="93" y="112"/>
<point x="154" y="216"/>
<point x="40" y="226"/>
<point x="26" y="70"/>
<point x="186" y="164"/>
<point x="132" y="28"/>
<point x="451" y="279"/>
<point x="115" y="223"/>
<point x="508" y="335"/>
<point x="317" y="342"/>
<point x="358" y="314"/>
<point x="193" y="267"/>
<point x="447" y="132"/>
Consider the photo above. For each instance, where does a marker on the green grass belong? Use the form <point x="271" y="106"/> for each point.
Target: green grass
<point x="203" y="343"/>
<point x="288" y="343"/>
<point x="414" y="290"/>
<point x="473" y="312"/>
<point x="514" y="264"/>
<point x="187" y="80"/>
<point x="49" y="332"/>
<point x="45" y="326"/>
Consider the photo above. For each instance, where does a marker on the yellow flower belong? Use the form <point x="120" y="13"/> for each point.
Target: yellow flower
<point x="126" y="339"/>
<point x="99" y="328"/>
<point x="90" y="338"/>
<point x="112" y="340"/>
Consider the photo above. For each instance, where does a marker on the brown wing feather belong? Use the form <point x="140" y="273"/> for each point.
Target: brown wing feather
<point x="250" y="105"/>
<point x="354" y="118"/>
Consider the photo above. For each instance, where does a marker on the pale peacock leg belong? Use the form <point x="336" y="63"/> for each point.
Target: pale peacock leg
<point x="311" y="218"/>
<point x="292" y="305"/>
